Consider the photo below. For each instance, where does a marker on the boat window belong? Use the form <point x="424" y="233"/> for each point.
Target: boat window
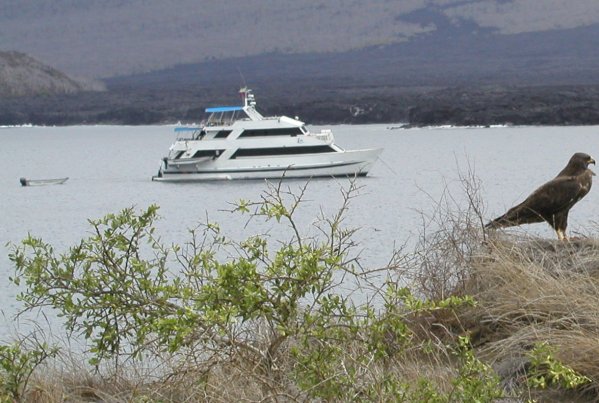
<point x="255" y="152"/>
<point x="207" y="153"/>
<point x="286" y="131"/>
<point x="222" y="134"/>
<point x="179" y="154"/>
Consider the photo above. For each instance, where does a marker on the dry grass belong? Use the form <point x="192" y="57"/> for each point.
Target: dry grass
<point x="530" y="291"/>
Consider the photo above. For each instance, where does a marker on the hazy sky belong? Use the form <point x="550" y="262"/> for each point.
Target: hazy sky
<point x="107" y="37"/>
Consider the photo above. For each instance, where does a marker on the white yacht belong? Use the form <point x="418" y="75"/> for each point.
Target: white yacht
<point x="237" y="142"/>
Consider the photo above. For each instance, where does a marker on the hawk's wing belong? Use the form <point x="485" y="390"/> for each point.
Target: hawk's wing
<point x="554" y="197"/>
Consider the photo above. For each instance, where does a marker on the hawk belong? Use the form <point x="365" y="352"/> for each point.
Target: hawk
<point x="552" y="201"/>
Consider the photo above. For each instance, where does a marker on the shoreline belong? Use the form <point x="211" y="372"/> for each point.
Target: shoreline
<point x="559" y="105"/>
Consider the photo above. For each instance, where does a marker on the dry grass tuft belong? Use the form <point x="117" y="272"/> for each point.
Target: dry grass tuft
<point x="531" y="291"/>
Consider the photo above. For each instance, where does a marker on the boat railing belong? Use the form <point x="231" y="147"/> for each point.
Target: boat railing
<point x="187" y="133"/>
<point x="224" y="115"/>
<point x="324" y="135"/>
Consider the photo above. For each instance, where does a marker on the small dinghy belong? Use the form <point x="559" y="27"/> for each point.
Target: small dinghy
<point x="41" y="182"/>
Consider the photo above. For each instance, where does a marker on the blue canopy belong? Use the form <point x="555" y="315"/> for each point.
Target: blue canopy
<point x="186" y="129"/>
<point x="224" y="109"/>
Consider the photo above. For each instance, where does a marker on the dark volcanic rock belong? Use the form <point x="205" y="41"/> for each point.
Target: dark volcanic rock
<point x="546" y="105"/>
<point x="327" y="104"/>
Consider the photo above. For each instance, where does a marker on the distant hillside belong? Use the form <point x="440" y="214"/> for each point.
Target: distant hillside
<point x="105" y="38"/>
<point x="22" y="75"/>
<point x="451" y="57"/>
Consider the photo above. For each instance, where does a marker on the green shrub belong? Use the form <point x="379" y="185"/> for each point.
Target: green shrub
<point x="16" y="366"/>
<point x="547" y="371"/>
<point x="272" y="308"/>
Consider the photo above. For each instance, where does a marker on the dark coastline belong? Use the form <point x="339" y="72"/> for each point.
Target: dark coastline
<point x="462" y="106"/>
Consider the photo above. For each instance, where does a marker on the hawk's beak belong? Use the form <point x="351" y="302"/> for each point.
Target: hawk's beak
<point x="592" y="161"/>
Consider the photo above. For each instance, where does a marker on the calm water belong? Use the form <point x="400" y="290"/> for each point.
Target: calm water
<point x="110" y="169"/>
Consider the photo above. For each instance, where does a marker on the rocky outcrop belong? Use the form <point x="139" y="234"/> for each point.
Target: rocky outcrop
<point x="22" y="75"/>
<point x="497" y="105"/>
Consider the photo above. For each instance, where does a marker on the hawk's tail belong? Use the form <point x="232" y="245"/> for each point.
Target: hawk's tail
<point x="499" y="222"/>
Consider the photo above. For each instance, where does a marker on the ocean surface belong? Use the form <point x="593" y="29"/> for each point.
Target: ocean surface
<point x="110" y="168"/>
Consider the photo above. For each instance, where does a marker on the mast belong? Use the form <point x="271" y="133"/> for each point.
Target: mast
<point x="249" y="104"/>
<point x="248" y="97"/>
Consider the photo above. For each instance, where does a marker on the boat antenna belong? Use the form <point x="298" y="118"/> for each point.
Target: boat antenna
<point x="244" y="84"/>
<point x="244" y="94"/>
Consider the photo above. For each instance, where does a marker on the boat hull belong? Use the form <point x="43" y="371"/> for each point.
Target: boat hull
<point x="346" y="163"/>
<point x="42" y="182"/>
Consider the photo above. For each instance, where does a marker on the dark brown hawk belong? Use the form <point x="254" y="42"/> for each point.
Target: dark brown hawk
<point x="552" y="201"/>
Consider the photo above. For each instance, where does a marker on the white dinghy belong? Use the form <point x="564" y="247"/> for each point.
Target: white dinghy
<point x="42" y="182"/>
